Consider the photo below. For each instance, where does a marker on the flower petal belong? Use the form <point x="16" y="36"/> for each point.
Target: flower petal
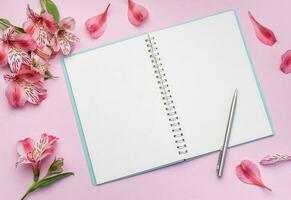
<point x="137" y="14"/>
<point x="249" y="173"/>
<point x="50" y="139"/>
<point x="29" y="27"/>
<point x="22" y="160"/>
<point x="25" y="42"/>
<point x="9" y="33"/>
<point x="3" y="56"/>
<point x="30" y="76"/>
<point x="25" y="146"/>
<point x="71" y="37"/>
<point x="273" y="159"/>
<point x="42" y="39"/>
<point x="286" y="62"/>
<point x="264" y="34"/>
<point x="31" y="14"/>
<point x="39" y="65"/>
<point x="17" y="57"/>
<point x="67" y="23"/>
<point x="45" y="52"/>
<point x="9" y="77"/>
<point x="35" y="92"/>
<point x="15" y="94"/>
<point x="96" y="25"/>
<point x="54" y="43"/>
<point x="48" y="144"/>
<point x="48" y="21"/>
<point x="65" y="46"/>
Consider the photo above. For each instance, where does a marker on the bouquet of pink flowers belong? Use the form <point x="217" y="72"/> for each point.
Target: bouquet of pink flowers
<point x="26" y="52"/>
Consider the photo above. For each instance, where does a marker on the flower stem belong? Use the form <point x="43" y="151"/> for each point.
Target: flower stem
<point x="28" y="191"/>
<point x="36" y="171"/>
<point x="45" y="181"/>
<point x="42" y="6"/>
<point x="26" y="194"/>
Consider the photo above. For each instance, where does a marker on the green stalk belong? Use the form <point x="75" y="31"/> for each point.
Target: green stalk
<point x="45" y="181"/>
<point x="42" y="6"/>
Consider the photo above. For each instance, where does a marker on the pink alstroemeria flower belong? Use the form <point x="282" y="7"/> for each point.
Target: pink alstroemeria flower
<point x="24" y="86"/>
<point x="63" y="38"/>
<point x="40" y="27"/>
<point x="33" y="153"/>
<point x="14" y="47"/>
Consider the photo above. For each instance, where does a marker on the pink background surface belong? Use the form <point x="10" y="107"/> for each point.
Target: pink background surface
<point x="195" y="180"/>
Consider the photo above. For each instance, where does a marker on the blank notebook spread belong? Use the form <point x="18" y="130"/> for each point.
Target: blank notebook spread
<point x="163" y="97"/>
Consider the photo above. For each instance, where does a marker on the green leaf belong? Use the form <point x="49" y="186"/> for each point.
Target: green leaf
<point x="7" y="23"/>
<point x="46" y="182"/>
<point x="20" y="30"/>
<point x="51" y="8"/>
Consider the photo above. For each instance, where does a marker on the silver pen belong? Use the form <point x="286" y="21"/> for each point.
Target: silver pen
<point x="223" y="150"/>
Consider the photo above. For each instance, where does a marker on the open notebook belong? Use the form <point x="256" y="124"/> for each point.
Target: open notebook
<point x="163" y="97"/>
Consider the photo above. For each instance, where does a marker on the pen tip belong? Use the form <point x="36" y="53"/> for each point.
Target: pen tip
<point x="236" y="91"/>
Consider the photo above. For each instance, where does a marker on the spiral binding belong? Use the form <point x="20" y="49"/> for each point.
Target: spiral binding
<point x="166" y="95"/>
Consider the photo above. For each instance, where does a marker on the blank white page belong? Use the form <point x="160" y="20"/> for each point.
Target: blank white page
<point x="204" y="61"/>
<point x="120" y="109"/>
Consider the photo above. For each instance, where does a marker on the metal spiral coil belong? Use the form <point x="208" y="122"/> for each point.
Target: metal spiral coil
<point x="166" y="95"/>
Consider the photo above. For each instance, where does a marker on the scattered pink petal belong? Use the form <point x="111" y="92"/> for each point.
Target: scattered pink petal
<point x="15" y="94"/>
<point x="286" y="62"/>
<point x="137" y="14"/>
<point x="96" y="25"/>
<point x="249" y="173"/>
<point x="264" y="34"/>
<point x="273" y="159"/>
<point x="67" y="23"/>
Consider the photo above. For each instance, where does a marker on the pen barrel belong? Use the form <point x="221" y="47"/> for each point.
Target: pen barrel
<point x="223" y="151"/>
